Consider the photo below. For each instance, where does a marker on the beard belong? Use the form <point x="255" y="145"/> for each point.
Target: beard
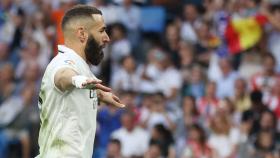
<point x="93" y="51"/>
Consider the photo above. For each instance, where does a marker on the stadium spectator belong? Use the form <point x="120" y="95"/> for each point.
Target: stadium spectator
<point x="114" y="149"/>
<point x="195" y="84"/>
<point x="186" y="53"/>
<point x="172" y="43"/>
<point x="109" y="120"/>
<point x="190" y="15"/>
<point x="241" y="98"/>
<point x="227" y="107"/>
<point x="195" y="145"/>
<point x="7" y="84"/>
<point x="273" y="101"/>
<point x="154" y="151"/>
<point x="265" y="145"/>
<point x="274" y="34"/>
<point x="151" y="71"/>
<point x="208" y="104"/>
<point x="134" y="140"/>
<point x="158" y="114"/>
<point x="127" y="78"/>
<point x="225" y="84"/>
<point x="264" y="80"/>
<point x="161" y="135"/>
<point x="120" y="46"/>
<point x="224" y="138"/>
<point x="18" y="115"/>
<point x="189" y="115"/>
<point x="130" y="17"/>
<point x="170" y="82"/>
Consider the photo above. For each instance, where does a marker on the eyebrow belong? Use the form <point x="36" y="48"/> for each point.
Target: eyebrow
<point x="103" y="28"/>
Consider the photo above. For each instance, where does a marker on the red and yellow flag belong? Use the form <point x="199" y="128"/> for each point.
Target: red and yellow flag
<point x="244" y="33"/>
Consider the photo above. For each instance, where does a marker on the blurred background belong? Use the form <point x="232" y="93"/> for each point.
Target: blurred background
<point x="200" y="78"/>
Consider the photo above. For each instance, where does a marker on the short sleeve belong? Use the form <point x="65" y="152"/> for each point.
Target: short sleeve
<point x="67" y="63"/>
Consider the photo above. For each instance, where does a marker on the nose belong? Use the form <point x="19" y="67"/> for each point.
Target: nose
<point x="106" y="38"/>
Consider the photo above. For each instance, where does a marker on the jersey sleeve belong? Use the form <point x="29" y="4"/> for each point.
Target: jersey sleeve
<point x="63" y="63"/>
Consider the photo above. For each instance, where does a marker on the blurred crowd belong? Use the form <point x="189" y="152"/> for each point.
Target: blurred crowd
<point x="186" y="95"/>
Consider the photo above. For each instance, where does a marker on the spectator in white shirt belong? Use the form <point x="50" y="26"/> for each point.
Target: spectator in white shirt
<point x="190" y="15"/>
<point x="225" y="84"/>
<point x="150" y="72"/>
<point x="120" y="47"/>
<point x="130" y="16"/>
<point x="224" y="138"/>
<point x="170" y="81"/>
<point x="127" y="77"/>
<point x="134" y="140"/>
<point x="157" y="113"/>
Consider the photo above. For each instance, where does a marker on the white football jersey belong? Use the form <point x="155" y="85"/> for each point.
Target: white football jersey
<point x="68" y="119"/>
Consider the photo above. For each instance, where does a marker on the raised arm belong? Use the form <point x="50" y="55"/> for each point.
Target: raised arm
<point x="67" y="79"/>
<point x="63" y="79"/>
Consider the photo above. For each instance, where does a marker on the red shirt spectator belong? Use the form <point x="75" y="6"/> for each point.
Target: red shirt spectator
<point x="207" y="105"/>
<point x="273" y="101"/>
<point x="264" y="80"/>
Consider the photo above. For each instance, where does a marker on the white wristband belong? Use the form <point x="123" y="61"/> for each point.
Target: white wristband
<point x="79" y="80"/>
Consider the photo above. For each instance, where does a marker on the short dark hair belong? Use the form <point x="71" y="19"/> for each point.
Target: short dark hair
<point x="115" y="141"/>
<point x="79" y="11"/>
<point x="120" y="27"/>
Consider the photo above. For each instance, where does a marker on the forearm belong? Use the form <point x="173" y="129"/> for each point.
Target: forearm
<point x="63" y="79"/>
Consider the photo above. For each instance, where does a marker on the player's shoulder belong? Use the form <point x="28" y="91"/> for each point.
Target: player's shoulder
<point x="62" y="59"/>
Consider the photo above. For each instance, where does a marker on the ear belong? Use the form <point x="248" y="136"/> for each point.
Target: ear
<point x="82" y="34"/>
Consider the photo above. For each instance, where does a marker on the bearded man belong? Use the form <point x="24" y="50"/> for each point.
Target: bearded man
<point x="70" y="92"/>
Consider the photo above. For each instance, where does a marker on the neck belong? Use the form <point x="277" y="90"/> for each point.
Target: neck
<point x="76" y="47"/>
